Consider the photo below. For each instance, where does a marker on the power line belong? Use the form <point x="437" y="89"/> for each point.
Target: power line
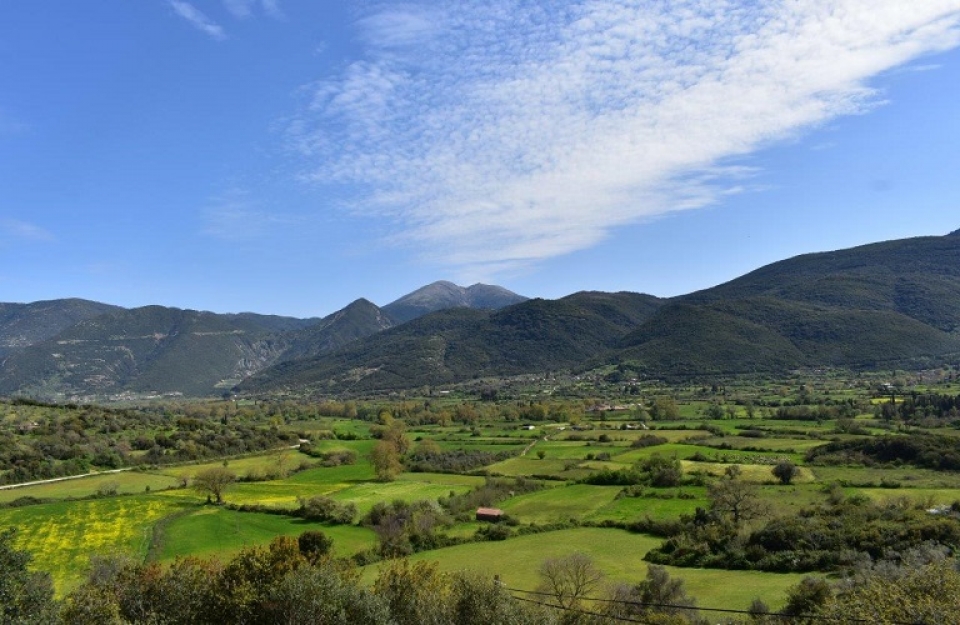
<point x="578" y="611"/>
<point x="781" y="615"/>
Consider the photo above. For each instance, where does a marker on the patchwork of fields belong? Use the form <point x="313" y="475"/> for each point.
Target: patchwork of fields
<point x="152" y="514"/>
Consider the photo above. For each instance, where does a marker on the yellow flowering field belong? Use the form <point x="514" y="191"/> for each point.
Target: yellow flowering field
<point x="62" y="536"/>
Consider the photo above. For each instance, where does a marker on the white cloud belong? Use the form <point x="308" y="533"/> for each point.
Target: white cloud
<point x="400" y="26"/>
<point x="235" y="216"/>
<point x="242" y="9"/>
<point x="502" y="133"/>
<point x="197" y="19"/>
<point x="16" y="229"/>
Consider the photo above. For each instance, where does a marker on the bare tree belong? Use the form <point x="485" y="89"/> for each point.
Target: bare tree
<point x="214" y="482"/>
<point x="732" y="497"/>
<point x="569" y="578"/>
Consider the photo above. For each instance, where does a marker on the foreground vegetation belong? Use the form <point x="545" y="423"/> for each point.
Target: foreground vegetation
<point x="793" y="495"/>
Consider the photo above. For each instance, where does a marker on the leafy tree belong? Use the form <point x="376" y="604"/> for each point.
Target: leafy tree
<point x="785" y="471"/>
<point x="417" y="593"/>
<point x="905" y="593"/>
<point x="314" y="545"/>
<point x="807" y="597"/>
<point x="25" y="596"/>
<point x="386" y="461"/>
<point x="247" y="581"/>
<point x="213" y="482"/>
<point x="327" y="509"/>
<point x="322" y="594"/>
<point x="658" y="598"/>
<point x="664" y="409"/>
<point x="479" y="600"/>
<point x="663" y="471"/>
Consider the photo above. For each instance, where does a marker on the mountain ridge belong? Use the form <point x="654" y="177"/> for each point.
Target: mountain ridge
<point x="891" y="303"/>
<point x="90" y="349"/>
<point x="880" y="304"/>
<point x="442" y="294"/>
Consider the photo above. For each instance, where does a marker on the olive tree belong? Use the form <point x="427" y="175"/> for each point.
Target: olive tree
<point x="785" y="471"/>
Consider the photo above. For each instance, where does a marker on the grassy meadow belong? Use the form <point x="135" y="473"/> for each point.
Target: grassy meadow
<point x="150" y="514"/>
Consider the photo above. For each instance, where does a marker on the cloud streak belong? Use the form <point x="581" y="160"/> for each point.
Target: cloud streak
<point x="502" y="133"/>
<point x="24" y="231"/>
<point x="243" y="9"/>
<point x="234" y="216"/>
<point x="197" y="19"/>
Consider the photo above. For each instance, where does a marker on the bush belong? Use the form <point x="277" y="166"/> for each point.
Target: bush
<point x="785" y="471"/>
<point x="326" y="510"/>
<point x="648" y="440"/>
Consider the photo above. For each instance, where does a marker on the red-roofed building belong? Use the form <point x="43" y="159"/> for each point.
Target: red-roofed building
<point x="492" y="515"/>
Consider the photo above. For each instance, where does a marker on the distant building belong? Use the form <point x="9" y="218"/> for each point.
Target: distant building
<point x="492" y="515"/>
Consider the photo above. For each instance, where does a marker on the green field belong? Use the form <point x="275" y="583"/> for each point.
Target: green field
<point x="615" y="552"/>
<point x="155" y="517"/>
<point x="63" y="536"/>
<point x="218" y="532"/>
<point x="126" y="482"/>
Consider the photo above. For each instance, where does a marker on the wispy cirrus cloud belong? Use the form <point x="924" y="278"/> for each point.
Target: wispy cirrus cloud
<point x="243" y="9"/>
<point x="235" y="216"/>
<point x="501" y="133"/>
<point x="197" y="19"/>
<point x="24" y="231"/>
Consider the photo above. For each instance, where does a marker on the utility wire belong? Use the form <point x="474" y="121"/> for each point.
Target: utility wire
<point x="693" y="608"/>
<point x="584" y="612"/>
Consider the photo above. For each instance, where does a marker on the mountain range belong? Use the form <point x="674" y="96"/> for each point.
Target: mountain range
<point x="78" y="349"/>
<point x="888" y="304"/>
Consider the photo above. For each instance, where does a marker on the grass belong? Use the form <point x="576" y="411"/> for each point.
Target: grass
<point x="127" y="482"/>
<point x="628" y="509"/>
<point x="241" y="466"/>
<point x="560" y="504"/>
<point x="619" y="554"/>
<point x="63" y="536"/>
<point x="365" y="495"/>
<point x="214" y="531"/>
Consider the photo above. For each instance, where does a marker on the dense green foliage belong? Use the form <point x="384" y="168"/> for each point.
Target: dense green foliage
<point x="454" y="460"/>
<point x="26" y="324"/>
<point x="876" y="306"/>
<point x="48" y="441"/>
<point x="145" y="350"/>
<point x="920" y="450"/>
<point x="25" y="596"/>
<point x="824" y="538"/>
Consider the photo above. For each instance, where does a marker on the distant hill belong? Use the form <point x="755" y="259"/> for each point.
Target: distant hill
<point x="75" y="348"/>
<point x="869" y="306"/>
<point x="145" y="350"/>
<point x="890" y="304"/>
<point x="460" y="343"/>
<point x="22" y="325"/>
<point x="358" y="320"/>
<point x="887" y="304"/>
<point x="443" y="295"/>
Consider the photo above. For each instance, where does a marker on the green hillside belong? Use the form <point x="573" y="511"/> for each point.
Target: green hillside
<point x="461" y="343"/>
<point x="358" y="320"/>
<point x="22" y="325"/>
<point x="149" y="349"/>
<point x="887" y="304"/>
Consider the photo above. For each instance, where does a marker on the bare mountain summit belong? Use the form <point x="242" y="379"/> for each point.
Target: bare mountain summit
<point x="443" y="295"/>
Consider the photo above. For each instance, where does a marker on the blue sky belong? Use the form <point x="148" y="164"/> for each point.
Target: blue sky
<point x="288" y="157"/>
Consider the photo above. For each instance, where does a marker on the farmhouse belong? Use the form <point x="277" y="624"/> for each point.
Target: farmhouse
<point x="493" y="515"/>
